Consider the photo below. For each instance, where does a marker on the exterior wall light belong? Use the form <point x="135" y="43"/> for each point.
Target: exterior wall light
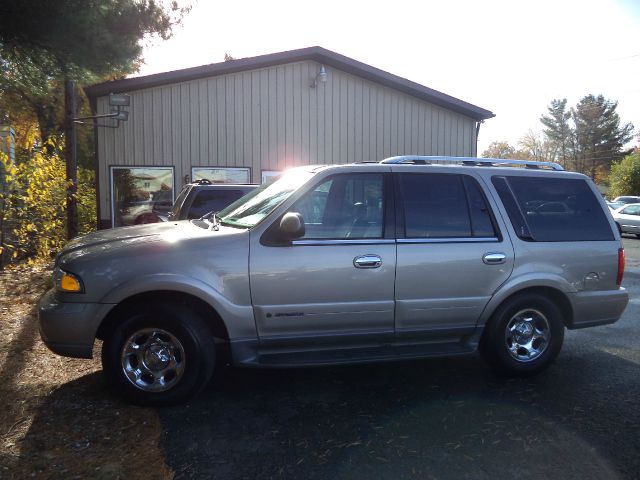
<point x="321" y="77"/>
<point x="115" y="100"/>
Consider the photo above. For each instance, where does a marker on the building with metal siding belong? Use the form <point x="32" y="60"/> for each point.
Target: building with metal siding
<point x="245" y="119"/>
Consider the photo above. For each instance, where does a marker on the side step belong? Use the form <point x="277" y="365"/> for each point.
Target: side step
<point x="352" y="355"/>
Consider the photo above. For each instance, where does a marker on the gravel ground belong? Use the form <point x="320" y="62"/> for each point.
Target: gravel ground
<point x="58" y="420"/>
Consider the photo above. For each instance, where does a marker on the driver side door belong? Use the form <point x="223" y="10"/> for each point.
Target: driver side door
<point x="334" y="285"/>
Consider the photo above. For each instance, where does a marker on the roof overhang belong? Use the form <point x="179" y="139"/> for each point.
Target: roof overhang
<point x="317" y="54"/>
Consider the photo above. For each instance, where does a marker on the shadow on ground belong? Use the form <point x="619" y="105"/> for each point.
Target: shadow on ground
<point x="423" y="419"/>
<point x="81" y="431"/>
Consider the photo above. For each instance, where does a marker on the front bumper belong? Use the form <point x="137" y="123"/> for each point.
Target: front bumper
<point x="69" y="329"/>
<point x="594" y="308"/>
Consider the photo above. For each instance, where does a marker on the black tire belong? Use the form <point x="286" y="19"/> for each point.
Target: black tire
<point x="159" y="355"/>
<point x="528" y="319"/>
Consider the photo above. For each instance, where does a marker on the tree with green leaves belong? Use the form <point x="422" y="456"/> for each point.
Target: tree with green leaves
<point x="589" y="137"/>
<point x="46" y="45"/>
<point x="624" y="178"/>
<point x="559" y="132"/>
<point x="600" y="139"/>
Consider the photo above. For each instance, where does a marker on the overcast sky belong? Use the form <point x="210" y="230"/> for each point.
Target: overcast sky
<point x="510" y="57"/>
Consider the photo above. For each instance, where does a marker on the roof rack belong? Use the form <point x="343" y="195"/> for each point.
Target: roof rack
<point x="471" y="161"/>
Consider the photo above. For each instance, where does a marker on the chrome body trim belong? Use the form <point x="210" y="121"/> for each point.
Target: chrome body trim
<point x="450" y="240"/>
<point x="373" y="241"/>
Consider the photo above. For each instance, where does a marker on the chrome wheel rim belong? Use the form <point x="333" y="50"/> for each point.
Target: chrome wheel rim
<point x="153" y="360"/>
<point x="527" y="335"/>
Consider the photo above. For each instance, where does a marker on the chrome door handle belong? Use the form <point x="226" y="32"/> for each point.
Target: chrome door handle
<point x="495" y="258"/>
<point x="367" y="261"/>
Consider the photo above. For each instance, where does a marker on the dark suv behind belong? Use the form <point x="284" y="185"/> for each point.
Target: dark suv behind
<point x="202" y="196"/>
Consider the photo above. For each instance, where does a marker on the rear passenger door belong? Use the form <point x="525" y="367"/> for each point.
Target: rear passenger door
<point x="451" y="255"/>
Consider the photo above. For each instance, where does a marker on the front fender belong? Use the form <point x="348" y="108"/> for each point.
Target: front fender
<point x="238" y="319"/>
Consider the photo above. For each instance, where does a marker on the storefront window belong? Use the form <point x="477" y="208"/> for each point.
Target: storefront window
<point x="221" y="174"/>
<point x="141" y="195"/>
<point x="269" y="176"/>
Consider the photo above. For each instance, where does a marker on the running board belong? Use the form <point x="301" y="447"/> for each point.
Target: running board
<point x="287" y="358"/>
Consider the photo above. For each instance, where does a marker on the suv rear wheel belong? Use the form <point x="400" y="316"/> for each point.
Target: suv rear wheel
<point x="524" y="335"/>
<point x="159" y="355"/>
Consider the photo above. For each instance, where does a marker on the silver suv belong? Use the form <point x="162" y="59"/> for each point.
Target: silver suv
<point x="411" y="257"/>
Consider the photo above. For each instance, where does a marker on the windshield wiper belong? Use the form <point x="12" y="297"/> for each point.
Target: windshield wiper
<point x="213" y="219"/>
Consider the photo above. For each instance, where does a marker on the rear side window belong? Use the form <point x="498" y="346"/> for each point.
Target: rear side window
<point x="553" y="209"/>
<point x="212" y="201"/>
<point x="444" y="206"/>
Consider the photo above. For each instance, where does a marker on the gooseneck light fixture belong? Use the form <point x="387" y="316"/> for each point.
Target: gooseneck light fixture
<point x="320" y="77"/>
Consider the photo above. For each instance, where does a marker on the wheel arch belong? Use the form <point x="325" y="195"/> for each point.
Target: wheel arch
<point x="207" y="312"/>
<point x="555" y="294"/>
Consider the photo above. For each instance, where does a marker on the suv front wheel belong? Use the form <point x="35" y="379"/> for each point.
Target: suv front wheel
<point x="159" y="355"/>
<point x="524" y="335"/>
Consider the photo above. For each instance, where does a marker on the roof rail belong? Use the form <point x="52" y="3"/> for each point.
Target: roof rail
<point x="471" y="161"/>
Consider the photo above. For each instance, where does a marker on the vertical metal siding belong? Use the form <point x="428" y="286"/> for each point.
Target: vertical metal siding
<point x="272" y="119"/>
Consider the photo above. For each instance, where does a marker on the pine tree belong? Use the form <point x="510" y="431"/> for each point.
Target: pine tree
<point x="600" y="139"/>
<point x="559" y="133"/>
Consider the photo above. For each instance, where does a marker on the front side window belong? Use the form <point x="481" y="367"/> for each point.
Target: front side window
<point x="348" y="206"/>
<point x="140" y="195"/>
<point x="438" y="205"/>
<point x="546" y="209"/>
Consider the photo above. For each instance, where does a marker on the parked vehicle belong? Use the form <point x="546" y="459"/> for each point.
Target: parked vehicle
<point x="412" y="257"/>
<point x="627" y="199"/>
<point x="614" y="205"/>
<point x="628" y="218"/>
<point x="201" y="197"/>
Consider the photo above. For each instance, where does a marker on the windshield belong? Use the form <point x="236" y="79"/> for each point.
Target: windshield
<point x="249" y="210"/>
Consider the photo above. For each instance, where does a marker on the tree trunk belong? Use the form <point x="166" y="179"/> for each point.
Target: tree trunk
<point x="70" y="157"/>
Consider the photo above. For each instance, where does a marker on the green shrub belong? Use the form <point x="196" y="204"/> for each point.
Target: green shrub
<point x="624" y="178"/>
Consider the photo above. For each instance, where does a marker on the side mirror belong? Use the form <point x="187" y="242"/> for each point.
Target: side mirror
<point x="291" y="226"/>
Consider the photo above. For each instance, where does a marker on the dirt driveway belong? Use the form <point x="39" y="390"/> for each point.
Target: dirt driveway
<point x="57" y="419"/>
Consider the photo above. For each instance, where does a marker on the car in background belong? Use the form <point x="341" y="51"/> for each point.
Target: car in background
<point x="627" y="199"/>
<point x="628" y="218"/>
<point x="202" y="196"/>
<point x="614" y="205"/>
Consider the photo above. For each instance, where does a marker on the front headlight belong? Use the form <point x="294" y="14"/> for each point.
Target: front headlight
<point x="67" y="282"/>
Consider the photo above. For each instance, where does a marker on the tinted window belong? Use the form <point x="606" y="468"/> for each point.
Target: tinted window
<point x="553" y="209"/>
<point x="346" y="206"/>
<point x="444" y="205"/>
<point x="481" y="222"/>
<point x="212" y="200"/>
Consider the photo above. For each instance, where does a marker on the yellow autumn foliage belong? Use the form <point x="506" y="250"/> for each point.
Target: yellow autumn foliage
<point x="32" y="202"/>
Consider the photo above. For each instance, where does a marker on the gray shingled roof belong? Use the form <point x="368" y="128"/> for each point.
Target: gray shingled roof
<point x="317" y="54"/>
